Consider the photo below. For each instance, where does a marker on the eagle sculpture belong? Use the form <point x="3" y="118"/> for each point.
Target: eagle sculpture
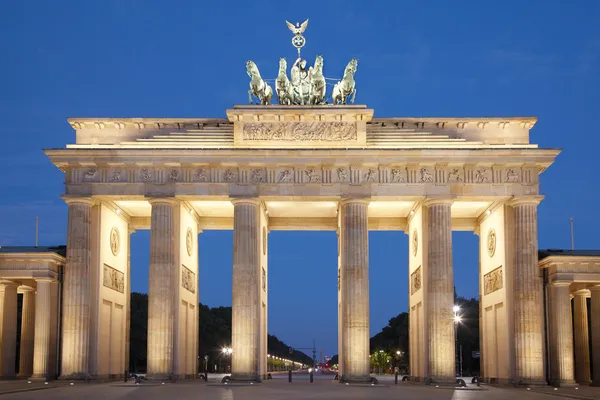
<point x="298" y="28"/>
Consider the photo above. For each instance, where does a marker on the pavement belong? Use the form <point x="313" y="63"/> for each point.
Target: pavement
<point x="278" y="388"/>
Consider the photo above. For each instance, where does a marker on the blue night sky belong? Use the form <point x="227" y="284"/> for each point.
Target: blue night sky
<point x="124" y="58"/>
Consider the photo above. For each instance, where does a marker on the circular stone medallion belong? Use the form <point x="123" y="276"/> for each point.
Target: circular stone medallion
<point x="189" y="241"/>
<point x="415" y="242"/>
<point x="115" y="242"/>
<point x="491" y="242"/>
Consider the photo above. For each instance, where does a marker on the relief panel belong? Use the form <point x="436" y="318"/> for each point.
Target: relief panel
<point x="188" y="279"/>
<point x="113" y="279"/>
<point x="492" y="281"/>
<point x="415" y="281"/>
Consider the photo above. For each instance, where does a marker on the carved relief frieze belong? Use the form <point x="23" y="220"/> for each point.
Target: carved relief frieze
<point x="415" y="281"/>
<point x="230" y="175"/>
<point x="482" y="175"/>
<point x="512" y="175"/>
<point x="456" y="175"/>
<point x="300" y="131"/>
<point x="399" y="175"/>
<point x="174" y="175"/>
<point x="492" y="281"/>
<point x="370" y="176"/>
<point x="313" y="175"/>
<point x="257" y="175"/>
<point x="91" y="175"/>
<point x="264" y="280"/>
<point x="425" y="175"/>
<point x="117" y="176"/>
<point x="285" y="175"/>
<point x="415" y="242"/>
<point x="188" y="279"/>
<point x="342" y="174"/>
<point x="202" y="174"/>
<point x="145" y="175"/>
<point x="113" y="279"/>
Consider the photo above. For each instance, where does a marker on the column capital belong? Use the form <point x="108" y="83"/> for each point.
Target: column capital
<point x="49" y="280"/>
<point x="163" y="200"/>
<point x="357" y="200"/>
<point x="245" y="200"/>
<point x="7" y="283"/>
<point x="561" y="283"/>
<point x="594" y="288"/>
<point x="582" y="292"/>
<point x="520" y="200"/>
<point x="79" y="200"/>
<point x="24" y="288"/>
<point x="438" y="201"/>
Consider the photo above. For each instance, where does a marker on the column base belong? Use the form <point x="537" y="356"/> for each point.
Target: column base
<point x="441" y="380"/>
<point x="565" y="383"/>
<point x="242" y="378"/>
<point x="41" y="378"/>
<point x="355" y="379"/>
<point x="595" y="384"/>
<point x="78" y="376"/>
<point x="529" y="382"/>
<point x="160" y="377"/>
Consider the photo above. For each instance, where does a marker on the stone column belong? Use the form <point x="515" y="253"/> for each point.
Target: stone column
<point x="440" y="292"/>
<point x="527" y="294"/>
<point x="161" y="288"/>
<point x="582" y="341"/>
<point x="8" y="328"/>
<point x="44" y="342"/>
<point x="595" y="311"/>
<point x="561" y="335"/>
<point x="27" y="333"/>
<point x="245" y="322"/>
<point x="76" y="292"/>
<point x="354" y="263"/>
<point x="128" y="303"/>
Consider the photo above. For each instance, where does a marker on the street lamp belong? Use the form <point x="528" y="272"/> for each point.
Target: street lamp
<point x="457" y="350"/>
<point x="227" y="351"/>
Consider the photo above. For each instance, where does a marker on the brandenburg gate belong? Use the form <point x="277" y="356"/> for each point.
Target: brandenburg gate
<point x="295" y="167"/>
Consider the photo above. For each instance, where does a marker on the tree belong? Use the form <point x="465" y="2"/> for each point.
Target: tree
<point x="380" y="361"/>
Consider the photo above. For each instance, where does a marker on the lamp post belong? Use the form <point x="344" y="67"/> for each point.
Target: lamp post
<point x="227" y="351"/>
<point x="457" y="320"/>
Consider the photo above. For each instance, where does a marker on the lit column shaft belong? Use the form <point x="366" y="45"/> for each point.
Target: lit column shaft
<point x="76" y="291"/>
<point x="27" y="333"/>
<point x="161" y="289"/>
<point x="355" y="286"/>
<point x="561" y="335"/>
<point x="595" y="311"/>
<point x="46" y="319"/>
<point x="528" y="304"/>
<point x="581" y="337"/>
<point x="8" y="328"/>
<point x="245" y="323"/>
<point x="440" y="292"/>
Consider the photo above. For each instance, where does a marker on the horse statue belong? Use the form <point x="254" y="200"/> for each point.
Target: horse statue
<point x="317" y="80"/>
<point x="283" y="87"/>
<point x="259" y="88"/>
<point x="345" y="87"/>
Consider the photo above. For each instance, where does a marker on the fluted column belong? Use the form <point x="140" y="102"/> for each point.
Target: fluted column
<point x="76" y="291"/>
<point x="8" y="328"/>
<point x="581" y="336"/>
<point x="440" y="291"/>
<point x="27" y="333"/>
<point x="161" y="288"/>
<point x="595" y="311"/>
<point x="527" y="295"/>
<point x="44" y="342"/>
<point x="245" y="321"/>
<point x="561" y="335"/>
<point x="354" y="243"/>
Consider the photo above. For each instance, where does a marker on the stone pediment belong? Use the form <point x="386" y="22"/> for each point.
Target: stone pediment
<point x="300" y="127"/>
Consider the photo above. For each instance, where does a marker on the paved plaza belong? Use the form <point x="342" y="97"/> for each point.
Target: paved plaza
<point x="278" y="388"/>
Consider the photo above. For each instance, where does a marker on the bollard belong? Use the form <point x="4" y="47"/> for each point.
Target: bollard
<point x="311" y="376"/>
<point x="290" y="376"/>
<point x="396" y="378"/>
